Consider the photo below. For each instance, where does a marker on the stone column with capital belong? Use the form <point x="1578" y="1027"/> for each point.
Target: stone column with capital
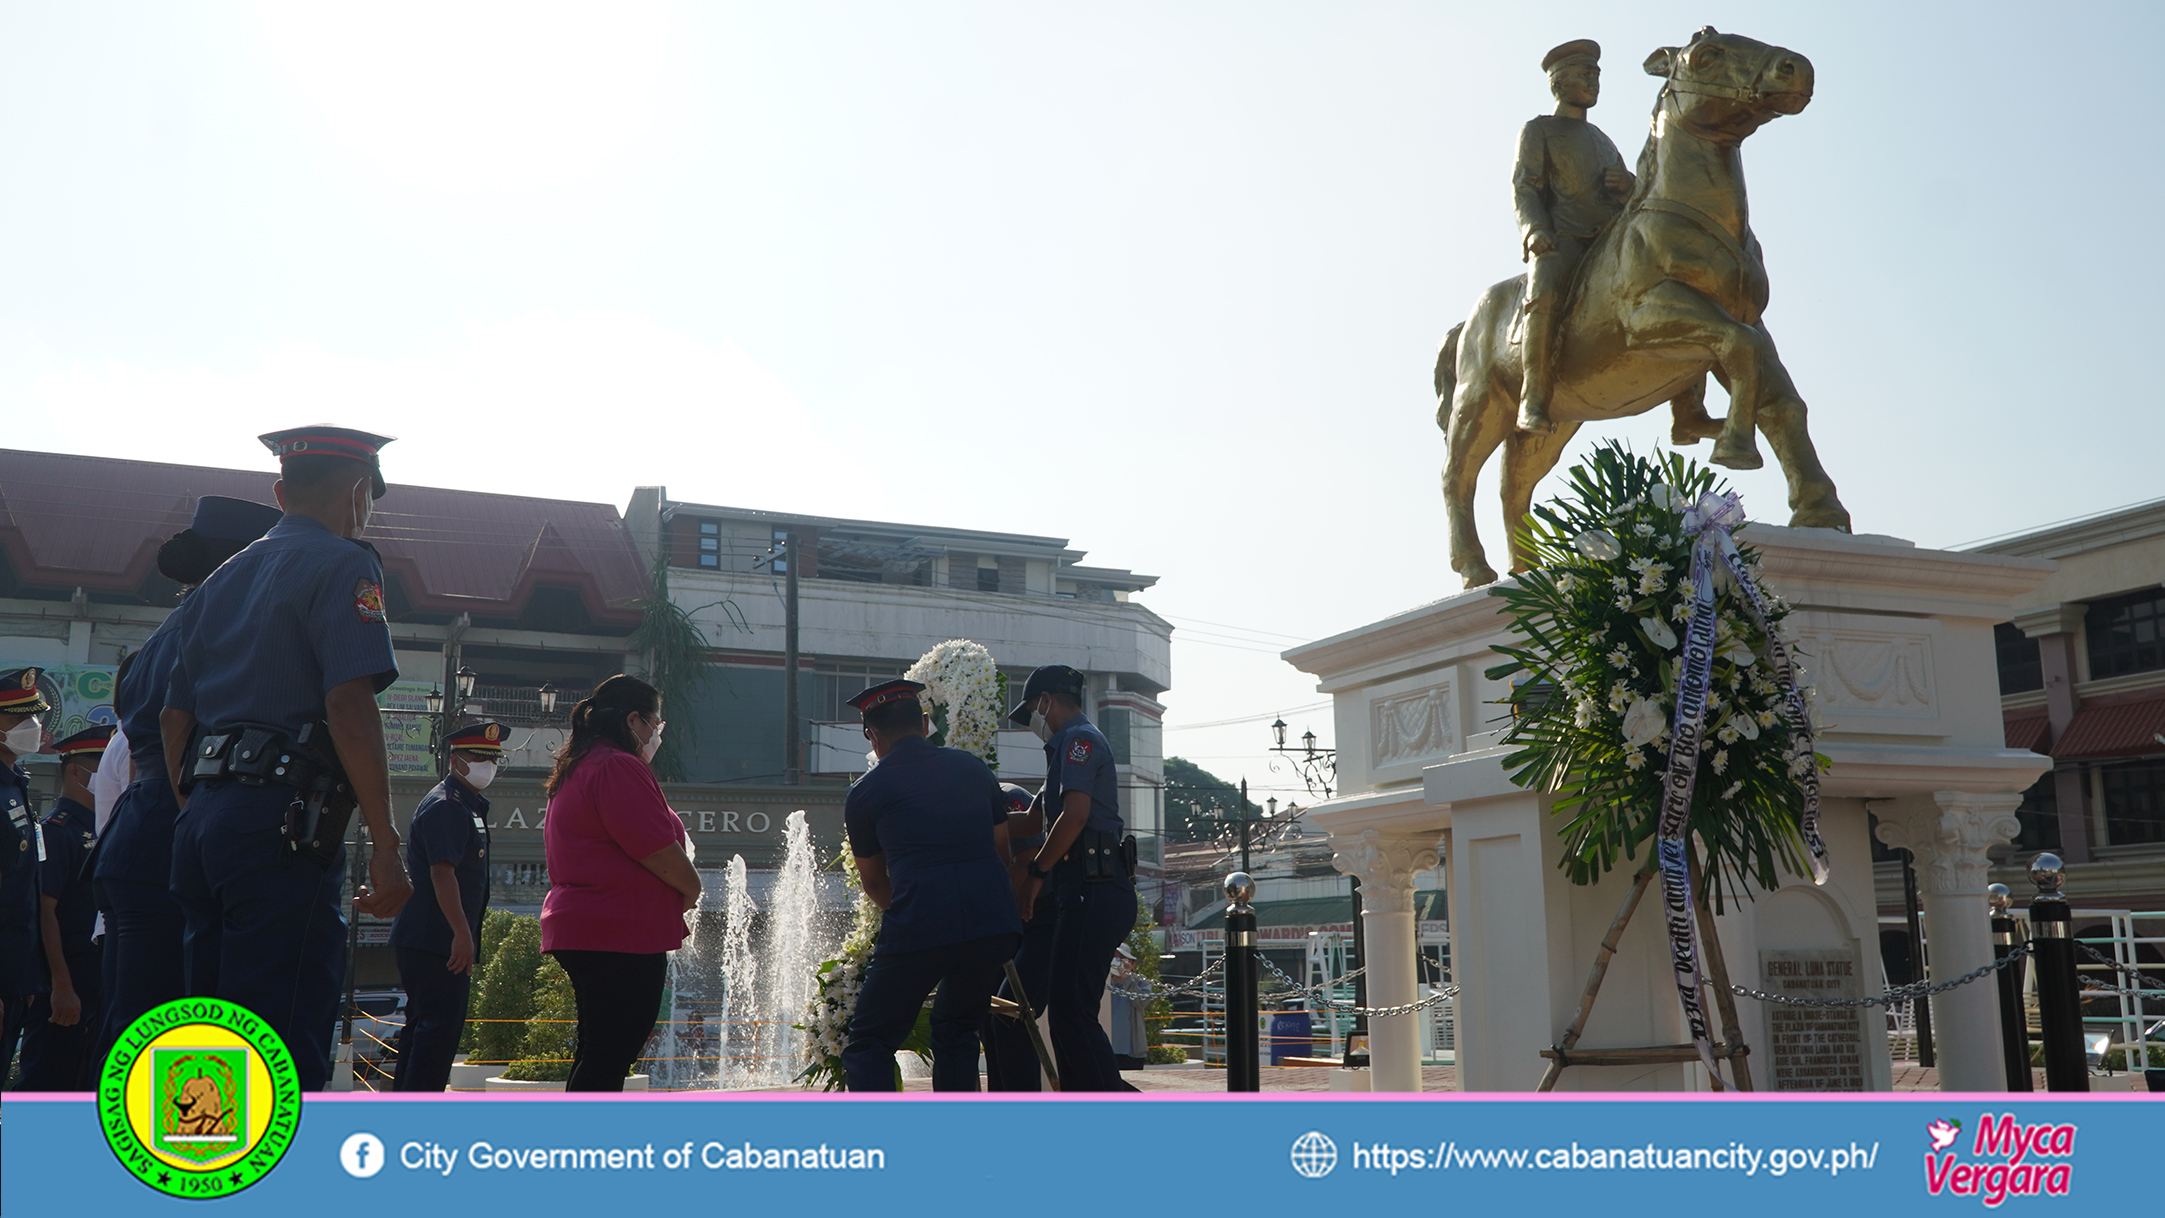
<point x="1948" y="834"/>
<point x="1386" y="865"/>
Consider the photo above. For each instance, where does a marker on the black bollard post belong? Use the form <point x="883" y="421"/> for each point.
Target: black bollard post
<point x="1243" y="1068"/>
<point x="2014" y="1029"/>
<point x="2059" y="1001"/>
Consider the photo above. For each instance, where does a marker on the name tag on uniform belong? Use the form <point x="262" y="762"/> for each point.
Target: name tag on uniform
<point x="25" y="828"/>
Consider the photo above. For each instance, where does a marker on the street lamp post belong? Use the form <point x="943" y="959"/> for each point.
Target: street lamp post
<point x="1318" y="768"/>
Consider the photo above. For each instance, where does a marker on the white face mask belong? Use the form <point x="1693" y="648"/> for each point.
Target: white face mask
<point x="1038" y="727"/>
<point x="24" y="738"/>
<point x="653" y="743"/>
<point x="479" y="774"/>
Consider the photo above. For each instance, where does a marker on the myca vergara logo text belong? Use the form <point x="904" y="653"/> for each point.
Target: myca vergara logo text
<point x="2005" y="1159"/>
<point x="199" y="1098"/>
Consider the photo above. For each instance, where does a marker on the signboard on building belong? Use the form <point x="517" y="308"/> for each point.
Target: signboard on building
<point x="1814" y="1048"/>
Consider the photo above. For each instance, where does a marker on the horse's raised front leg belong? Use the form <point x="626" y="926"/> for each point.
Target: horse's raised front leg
<point x="1813" y="503"/>
<point x="1527" y="459"/>
<point x="1480" y="419"/>
<point x="1673" y="313"/>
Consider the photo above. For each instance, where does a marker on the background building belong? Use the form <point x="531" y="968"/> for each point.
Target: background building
<point x="873" y="596"/>
<point x="2082" y="679"/>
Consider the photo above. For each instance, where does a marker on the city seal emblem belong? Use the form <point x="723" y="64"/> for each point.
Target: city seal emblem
<point x="199" y="1098"/>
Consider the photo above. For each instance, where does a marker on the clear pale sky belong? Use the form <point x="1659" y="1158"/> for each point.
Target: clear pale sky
<point x="1164" y="279"/>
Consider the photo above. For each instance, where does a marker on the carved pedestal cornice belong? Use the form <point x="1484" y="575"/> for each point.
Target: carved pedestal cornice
<point x="1949" y="836"/>
<point x="1385" y="864"/>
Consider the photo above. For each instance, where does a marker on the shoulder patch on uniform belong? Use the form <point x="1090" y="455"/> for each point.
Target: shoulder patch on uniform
<point x="368" y="600"/>
<point x="1079" y="751"/>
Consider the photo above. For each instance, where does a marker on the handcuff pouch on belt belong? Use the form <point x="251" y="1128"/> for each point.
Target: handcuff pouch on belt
<point x="1105" y="857"/>
<point x="315" y="825"/>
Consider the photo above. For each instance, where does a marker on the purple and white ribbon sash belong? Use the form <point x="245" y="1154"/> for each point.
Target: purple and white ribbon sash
<point x="1709" y="523"/>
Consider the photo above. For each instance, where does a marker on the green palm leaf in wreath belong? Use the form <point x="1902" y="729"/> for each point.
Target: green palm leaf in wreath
<point x="1594" y="675"/>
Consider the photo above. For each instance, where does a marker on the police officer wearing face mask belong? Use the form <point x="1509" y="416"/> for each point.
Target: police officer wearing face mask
<point x="447" y="857"/>
<point x="272" y="704"/>
<point x="131" y="868"/>
<point x="22" y="734"/>
<point x="1091" y="873"/>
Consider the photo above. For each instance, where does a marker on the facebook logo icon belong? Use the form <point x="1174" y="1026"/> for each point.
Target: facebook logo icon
<point x="361" y="1156"/>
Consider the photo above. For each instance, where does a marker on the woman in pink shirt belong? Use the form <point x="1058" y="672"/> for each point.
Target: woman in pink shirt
<point x="620" y="881"/>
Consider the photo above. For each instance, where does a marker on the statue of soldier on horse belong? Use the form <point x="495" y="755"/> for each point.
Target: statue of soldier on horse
<point x="1620" y="314"/>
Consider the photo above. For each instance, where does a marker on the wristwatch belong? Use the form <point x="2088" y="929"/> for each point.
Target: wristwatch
<point x="1038" y="873"/>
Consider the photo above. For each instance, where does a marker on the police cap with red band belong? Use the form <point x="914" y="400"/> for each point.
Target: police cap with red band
<point x="483" y="737"/>
<point x="87" y="745"/>
<point x="19" y="692"/>
<point x="885" y="692"/>
<point x="321" y="441"/>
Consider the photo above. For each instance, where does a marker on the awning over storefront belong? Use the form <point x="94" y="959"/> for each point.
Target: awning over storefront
<point x="2127" y="727"/>
<point x="2029" y="731"/>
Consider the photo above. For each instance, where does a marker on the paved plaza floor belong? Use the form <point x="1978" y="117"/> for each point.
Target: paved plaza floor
<point x="1907" y="1077"/>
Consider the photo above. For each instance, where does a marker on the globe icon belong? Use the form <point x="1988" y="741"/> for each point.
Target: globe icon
<point x="1314" y="1155"/>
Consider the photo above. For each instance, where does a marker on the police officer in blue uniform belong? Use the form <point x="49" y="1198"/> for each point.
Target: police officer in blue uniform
<point x="58" y="1038"/>
<point x="928" y="828"/>
<point x="447" y="857"/>
<point x="1010" y="1055"/>
<point x="132" y="866"/>
<point x="22" y="733"/>
<point x="1091" y="877"/>
<point x="270" y="725"/>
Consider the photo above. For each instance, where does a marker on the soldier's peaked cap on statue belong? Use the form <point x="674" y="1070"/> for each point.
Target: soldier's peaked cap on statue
<point x="1051" y="679"/>
<point x="1578" y="50"/>
<point x="19" y="692"/>
<point x="86" y="745"/>
<point x="885" y="692"/>
<point x="484" y="737"/>
<point x="321" y="441"/>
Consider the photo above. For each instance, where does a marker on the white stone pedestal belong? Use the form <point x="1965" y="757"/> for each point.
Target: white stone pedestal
<point x="1898" y="641"/>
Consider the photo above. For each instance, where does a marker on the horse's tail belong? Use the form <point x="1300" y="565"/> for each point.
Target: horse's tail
<point x="1447" y="376"/>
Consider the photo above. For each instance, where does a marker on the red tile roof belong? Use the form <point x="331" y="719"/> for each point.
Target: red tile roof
<point x="96" y="523"/>
<point x="2029" y="730"/>
<point x="2126" y="726"/>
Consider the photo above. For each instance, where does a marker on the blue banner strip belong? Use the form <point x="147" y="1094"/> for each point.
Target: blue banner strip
<point x="1052" y="1155"/>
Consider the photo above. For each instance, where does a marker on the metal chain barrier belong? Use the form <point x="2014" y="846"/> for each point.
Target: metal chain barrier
<point x="1193" y="985"/>
<point x="2124" y="970"/>
<point x="1315" y="993"/>
<point x="1919" y="989"/>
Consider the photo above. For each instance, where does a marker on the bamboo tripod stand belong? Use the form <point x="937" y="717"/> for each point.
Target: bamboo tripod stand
<point x="1714" y="975"/>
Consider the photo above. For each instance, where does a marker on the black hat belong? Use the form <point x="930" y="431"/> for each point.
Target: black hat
<point x="225" y="519"/>
<point x="86" y="745"/>
<point x="20" y="693"/>
<point x="885" y="692"/>
<point x="1018" y="799"/>
<point x="222" y="528"/>
<point x="1051" y="679"/>
<point x="485" y="737"/>
<point x="320" y="441"/>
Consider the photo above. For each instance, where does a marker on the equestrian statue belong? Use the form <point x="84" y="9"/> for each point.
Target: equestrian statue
<point x="1640" y="284"/>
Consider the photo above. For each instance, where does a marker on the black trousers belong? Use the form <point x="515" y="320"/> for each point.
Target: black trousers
<point x="57" y="1058"/>
<point x="435" y="1016"/>
<point x="1091" y="922"/>
<point x="142" y="955"/>
<point x="895" y="985"/>
<point x="620" y="998"/>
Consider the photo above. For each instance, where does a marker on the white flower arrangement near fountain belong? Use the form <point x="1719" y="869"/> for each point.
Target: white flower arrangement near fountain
<point x="963" y="691"/>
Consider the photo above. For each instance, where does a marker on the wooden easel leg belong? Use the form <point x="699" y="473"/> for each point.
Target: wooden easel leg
<point x="1717" y="978"/>
<point x="1593" y="977"/>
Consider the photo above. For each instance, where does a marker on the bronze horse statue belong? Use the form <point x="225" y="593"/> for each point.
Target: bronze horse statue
<point x="1672" y="289"/>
